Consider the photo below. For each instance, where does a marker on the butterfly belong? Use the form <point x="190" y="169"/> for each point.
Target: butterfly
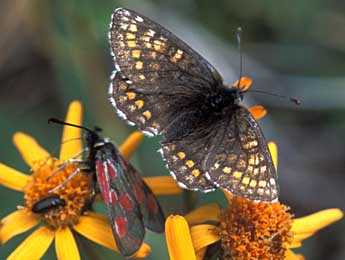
<point x="130" y="203"/>
<point x="164" y="87"/>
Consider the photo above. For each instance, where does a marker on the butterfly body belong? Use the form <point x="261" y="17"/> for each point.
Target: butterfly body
<point x="164" y="87"/>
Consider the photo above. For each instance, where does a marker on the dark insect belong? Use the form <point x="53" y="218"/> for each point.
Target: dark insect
<point x="48" y="203"/>
<point x="164" y="87"/>
<point x="130" y="203"/>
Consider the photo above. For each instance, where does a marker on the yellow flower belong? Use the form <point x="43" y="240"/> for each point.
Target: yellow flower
<point x="60" y="222"/>
<point x="245" y="230"/>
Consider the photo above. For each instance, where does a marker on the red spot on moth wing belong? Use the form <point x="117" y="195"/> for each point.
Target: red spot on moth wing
<point x="138" y="190"/>
<point x="111" y="171"/>
<point x="103" y="181"/>
<point x="121" y="226"/>
<point x="126" y="202"/>
<point x="152" y="203"/>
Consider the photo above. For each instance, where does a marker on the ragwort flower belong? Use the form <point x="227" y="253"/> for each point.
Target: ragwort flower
<point x="245" y="230"/>
<point x="60" y="222"/>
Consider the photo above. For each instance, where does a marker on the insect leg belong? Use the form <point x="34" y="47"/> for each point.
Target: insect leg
<point x="77" y="171"/>
<point x="65" y="163"/>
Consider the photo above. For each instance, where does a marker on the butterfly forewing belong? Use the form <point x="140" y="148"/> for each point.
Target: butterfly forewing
<point x="241" y="162"/>
<point x="153" y="68"/>
<point x="123" y="209"/>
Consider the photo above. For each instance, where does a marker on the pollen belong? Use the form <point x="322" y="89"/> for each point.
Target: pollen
<point x="251" y="230"/>
<point x="77" y="193"/>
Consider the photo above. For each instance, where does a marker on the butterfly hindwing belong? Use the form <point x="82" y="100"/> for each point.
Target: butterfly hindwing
<point x="185" y="147"/>
<point x="123" y="210"/>
<point x="153" y="69"/>
<point x="151" y="211"/>
<point x="241" y="163"/>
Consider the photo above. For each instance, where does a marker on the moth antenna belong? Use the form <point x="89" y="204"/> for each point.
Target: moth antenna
<point x="61" y="122"/>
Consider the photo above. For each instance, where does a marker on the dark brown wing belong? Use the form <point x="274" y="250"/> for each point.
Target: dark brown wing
<point x="241" y="162"/>
<point x="189" y="141"/>
<point x="155" y="72"/>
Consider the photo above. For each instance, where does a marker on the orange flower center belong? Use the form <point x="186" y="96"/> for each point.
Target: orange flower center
<point x="251" y="230"/>
<point x="77" y="193"/>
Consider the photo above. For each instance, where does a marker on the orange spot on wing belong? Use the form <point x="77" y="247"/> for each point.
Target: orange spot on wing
<point x="258" y="112"/>
<point x="244" y="83"/>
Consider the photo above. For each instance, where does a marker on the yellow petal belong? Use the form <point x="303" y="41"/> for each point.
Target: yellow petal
<point x="97" y="228"/>
<point x="274" y="153"/>
<point x="298" y="238"/>
<point x="163" y="185"/>
<point x="17" y="223"/>
<point x="70" y="146"/>
<point x="295" y="244"/>
<point x="12" y="178"/>
<point x="258" y="112"/>
<point x="34" y="246"/>
<point x="65" y="245"/>
<point x="289" y="255"/>
<point x="316" y="221"/>
<point x="209" y="212"/>
<point x="178" y="238"/>
<point x="131" y="144"/>
<point x="203" y="236"/>
<point x="30" y="150"/>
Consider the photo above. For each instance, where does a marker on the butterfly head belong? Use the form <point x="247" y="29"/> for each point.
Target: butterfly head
<point x="237" y="95"/>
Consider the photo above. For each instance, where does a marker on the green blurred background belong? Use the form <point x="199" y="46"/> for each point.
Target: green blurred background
<point x="53" y="52"/>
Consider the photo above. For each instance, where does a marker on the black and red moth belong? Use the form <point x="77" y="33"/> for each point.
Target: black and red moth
<point x="130" y="203"/>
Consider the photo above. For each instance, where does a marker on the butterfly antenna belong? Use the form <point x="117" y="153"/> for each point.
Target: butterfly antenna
<point x="238" y="36"/>
<point x="294" y="100"/>
<point x="60" y="122"/>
